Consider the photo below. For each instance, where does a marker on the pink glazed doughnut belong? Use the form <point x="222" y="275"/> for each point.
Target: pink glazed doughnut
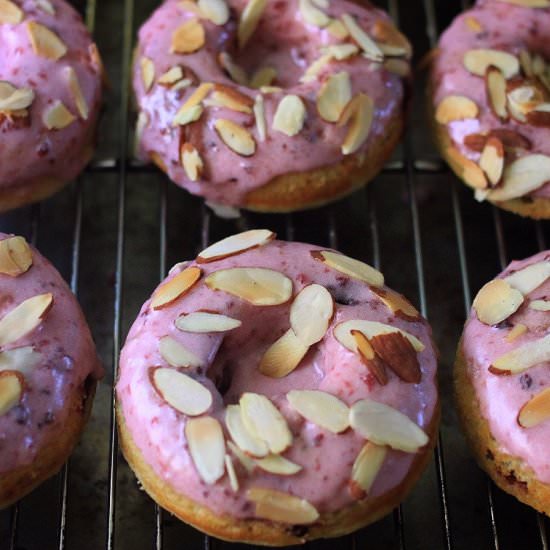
<point x="270" y="106"/>
<point x="275" y="393"/>
<point x="48" y="369"/>
<point x="50" y="98"/>
<point x="490" y="95"/>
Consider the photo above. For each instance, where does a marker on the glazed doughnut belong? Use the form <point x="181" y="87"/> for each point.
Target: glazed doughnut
<point x="274" y="392"/>
<point x="490" y="95"/>
<point x="48" y="369"/>
<point x="270" y="106"/>
<point x="50" y="97"/>
<point x="502" y="383"/>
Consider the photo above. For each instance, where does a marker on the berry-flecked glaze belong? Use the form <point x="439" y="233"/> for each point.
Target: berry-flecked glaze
<point x="502" y="396"/>
<point x="283" y="41"/>
<point x="502" y="26"/>
<point x="29" y="151"/>
<point x="68" y="359"/>
<point x="231" y="365"/>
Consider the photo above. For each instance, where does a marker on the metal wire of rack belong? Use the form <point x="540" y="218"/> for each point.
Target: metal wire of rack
<point x="423" y="208"/>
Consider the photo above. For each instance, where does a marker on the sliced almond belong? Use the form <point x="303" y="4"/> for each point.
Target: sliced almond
<point x="187" y="116"/>
<point x="399" y="354"/>
<point x="236" y="72"/>
<point x="263" y="77"/>
<point x="511" y="140"/>
<point x="397" y="303"/>
<point x="492" y="160"/>
<point x="171" y="76"/>
<point x="147" y="72"/>
<point x="390" y="41"/>
<point x="198" y="95"/>
<point x="176" y="287"/>
<point x="14" y="99"/>
<point x="349" y="266"/>
<point x="244" y="439"/>
<point x="250" y="18"/>
<point x="467" y="169"/>
<point x="235" y="137"/>
<point x="24" y="318"/>
<point x="516" y="332"/>
<point x="236" y="244"/>
<point x="473" y="24"/>
<point x="337" y="29"/>
<point x="216" y="11"/>
<point x="540" y="116"/>
<point x="385" y="425"/>
<point x="341" y="51"/>
<point x="256" y="285"/>
<point x="540" y="305"/>
<point x="46" y="6"/>
<point x="259" y="115"/>
<point x="225" y="96"/>
<point x="397" y="66"/>
<point x="310" y="313"/>
<point x="76" y="92"/>
<point x="282" y="507"/>
<point x="262" y="419"/>
<point x="526" y="63"/>
<point x="233" y="479"/>
<point x="190" y="6"/>
<point x="479" y="60"/>
<point x="367" y="465"/>
<point x="181" y="392"/>
<point x="177" y="354"/>
<point x="10" y="13"/>
<point x="333" y="96"/>
<point x="370" y="359"/>
<point x="522" y="358"/>
<point x="529" y="278"/>
<point x="359" y="112"/>
<point x="277" y="464"/>
<point x="321" y="408"/>
<point x="15" y="256"/>
<point x="191" y="161"/>
<point x="207" y="447"/>
<point x="366" y="43"/>
<point x="530" y="3"/>
<point x="22" y="360"/>
<point x="188" y="37"/>
<point x="203" y="321"/>
<point x="246" y="462"/>
<point x="455" y="107"/>
<point x="11" y="389"/>
<point x="283" y="356"/>
<point x="45" y="42"/>
<point x="290" y="115"/>
<point x="496" y="92"/>
<point x="536" y="410"/>
<point x="312" y="15"/>
<point x="539" y="64"/>
<point x="496" y="301"/>
<point x="57" y="116"/>
<point x="313" y="71"/>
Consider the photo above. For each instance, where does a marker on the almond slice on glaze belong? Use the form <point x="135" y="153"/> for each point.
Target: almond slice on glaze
<point x="57" y="116"/>
<point x="455" y="107"/>
<point x="245" y="441"/>
<point x="11" y="390"/>
<point x="22" y="359"/>
<point x="367" y="465"/>
<point x="250" y="18"/>
<point x="390" y="41"/>
<point x="337" y="29"/>
<point x="520" y="359"/>
<point x="231" y="474"/>
<point x="15" y="256"/>
<point x="367" y="44"/>
<point x="216" y="11"/>
<point x="397" y="66"/>
<point x="207" y="447"/>
<point x="46" y="6"/>
<point x="478" y="61"/>
<point x="397" y="303"/>
<point x="530" y="3"/>
<point x="177" y="354"/>
<point x="496" y="301"/>
<point x="385" y="425"/>
<point x="492" y="160"/>
<point x="259" y="115"/>
<point x="349" y="266"/>
<point x="333" y="96"/>
<point x="224" y="96"/>
<point x="516" y="332"/>
<point x="197" y="96"/>
<point x="45" y="42"/>
<point x="529" y="278"/>
<point x="76" y="93"/>
<point x="283" y="356"/>
<point x="315" y="68"/>
<point x="10" y="13"/>
<point x="310" y="313"/>
<point x="536" y="410"/>
<point x="399" y="354"/>
<point x="24" y="318"/>
<point x="235" y="137"/>
<point x="312" y="15"/>
<point x="176" y="287"/>
<point x="188" y="37"/>
<point x="374" y="364"/>
<point x="187" y="115"/>
<point x="540" y="305"/>
<point x="204" y="321"/>
<point x="191" y="161"/>
<point x="181" y="392"/>
<point x="171" y="76"/>
<point x="290" y="115"/>
<point x="263" y="77"/>
<point x="262" y="419"/>
<point x="246" y="462"/>
<point x="282" y="507"/>
<point x="473" y="24"/>
<point x="526" y="63"/>
<point x="235" y="71"/>
<point x="359" y="112"/>
<point x="14" y="99"/>
<point x="320" y="408"/>
<point x="341" y="51"/>
<point x="496" y="92"/>
<point x="540" y="116"/>
<point x="256" y="285"/>
<point x="236" y="244"/>
<point x="147" y="72"/>
<point x="277" y="464"/>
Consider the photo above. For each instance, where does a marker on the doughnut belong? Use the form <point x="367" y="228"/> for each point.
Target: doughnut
<point x="274" y="392"/>
<point x="48" y="369"/>
<point x="50" y="98"/>
<point x="270" y="106"/>
<point x="501" y="380"/>
<point x="490" y="103"/>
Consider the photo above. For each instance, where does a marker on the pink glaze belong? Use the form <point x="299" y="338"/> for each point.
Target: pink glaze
<point x="232" y="359"/>
<point x="28" y="150"/>
<point x="501" y="397"/>
<point x="68" y="360"/>
<point x="506" y="27"/>
<point x="283" y="41"/>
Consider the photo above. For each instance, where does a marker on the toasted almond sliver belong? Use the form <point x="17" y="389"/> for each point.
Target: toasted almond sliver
<point x="526" y="63"/>
<point x="171" y="290"/>
<point x="257" y="285"/>
<point x="11" y="389"/>
<point x="46" y="6"/>
<point x="310" y="313"/>
<point x="14" y="99"/>
<point x="246" y="462"/>
<point x="529" y="278"/>
<point x="385" y="425"/>
<point x="360" y="110"/>
<point x="230" y="99"/>
<point x="204" y="321"/>
<point x="349" y="266"/>
<point x="22" y="360"/>
<point x="277" y="464"/>
<point x="333" y="96"/>
<point x="181" y="392"/>
<point x="397" y="303"/>
<point x="45" y="42"/>
<point x="76" y="93"/>
<point x="492" y="160"/>
<point x="290" y="115"/>
<point x="15" y="256"/>
<point x="367" y="465"/>
<point x="341" y="51"/>
<point x="536" y="410"/>
<point x="473" y="24"/>
<point x="198" y="95"/>
<point x="522" y="358"/>
<point x="250" y="18"/>
<point x="496" y="92"/>
<point x="315" y="68"/>
<point x="263" y="77"/>
<point x="177" y="354"/>
<point x="312" y="14"/>
<point x="188" y="37"/>
<point x="233" y="479"/>
<point x="171" y="76"/>
<point x="187" y="116"/>
<point x="235" y="137"/>
<point x="496" y="301"/>
<point x="10" y="13"/>
<point x="279" y="506"/>
<point x="516" y="332"/>
<point x="321" y="408"/>
<point x="245" y="441"/>
<point x="147" y="72"/>
<point x="236" y="244"/>
<point x="390" y="41"/>
<point x="478" y="61"/>
<point x="191" y="161"/>
<point x="236" y="72"/>
<point x="215" y="10"/>
<point x="367" y="44"/>
<point x="540" y="305"/>
<point x="24" y="318"/>
<point x="397" y="352"/>
<point x="337" y="29"/>
<point x="455" y="107"/>
<point x="57" y="116"/>
<point x="283" y="356"/>
<point x="369" y="358"/>
<point x="259" y="115"/>
<point x="207" y="447"/>
<point x="262" y="419"/>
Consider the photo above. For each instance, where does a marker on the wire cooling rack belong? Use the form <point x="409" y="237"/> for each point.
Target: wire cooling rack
<point x="114" y="233"/>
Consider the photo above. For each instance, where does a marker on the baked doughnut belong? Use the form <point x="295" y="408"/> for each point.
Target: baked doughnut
<point x="274" y="392"/>
<point x="50" y="97"/>
<point x="490" y="95"/>
<point x="270" y="106"/>
<point x="502" y="383"/>
<point x="48" y="369"/>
